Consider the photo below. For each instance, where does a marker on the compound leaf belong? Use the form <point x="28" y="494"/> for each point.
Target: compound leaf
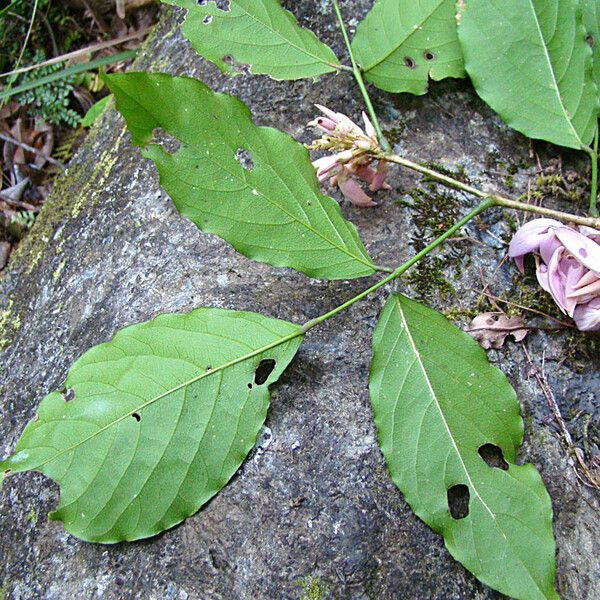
<point x="449" y="427"/>
<point x="529" y="60"/>
<point x="591" y="21"/>
<point x="253" y="186"/>
<point x="402" y="43"/>
<point x="259" y="33"/>
<point x="152" y="424"/>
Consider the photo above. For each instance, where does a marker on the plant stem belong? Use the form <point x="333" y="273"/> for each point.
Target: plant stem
<point x="385" y="145"/>
<point x="594" y="190"/>
<point x="487" y="203"/>
<point x="498" y="200"/>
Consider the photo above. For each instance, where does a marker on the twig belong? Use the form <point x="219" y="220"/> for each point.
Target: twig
<point x="19" y="203"/>
<point x="588" y="478"/>
<point x="76" y="53"/>
<point x="593" y="222"/>
<point x="29" y="148"/>
<point x="532" y="310"/>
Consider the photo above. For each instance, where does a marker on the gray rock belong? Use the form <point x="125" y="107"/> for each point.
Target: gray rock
<point x="314" y="502"/>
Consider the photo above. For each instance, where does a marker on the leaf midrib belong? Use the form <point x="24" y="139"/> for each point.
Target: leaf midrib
<point x="299" y="332"/>
<point x="306" y="225"/>
<point x="408" y="35"/>
<point x="286" y="40"/>
<point x="448" y="431"/>
<point x="438" y="406"/>
<point x="553" y="75"/>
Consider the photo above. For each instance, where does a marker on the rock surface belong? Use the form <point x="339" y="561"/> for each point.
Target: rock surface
<point x="313" y="503"/>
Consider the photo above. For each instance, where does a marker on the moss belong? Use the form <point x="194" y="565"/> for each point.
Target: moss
<point x="457" y="173"/>
<point x="434" y="211"/>
<point x="394" y="134"/>
<point x="312" y="589"/>
<point x="10" y="323"/>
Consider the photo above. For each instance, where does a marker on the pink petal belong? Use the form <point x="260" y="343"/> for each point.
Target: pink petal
<point x="378" y="182"/>
<point x="588" y="278"/>
<point x="325" y="166"/>
<point x="549" y="244"/>
<point x="529" y="237"/>
<point x="587" y="316"/>
<point x="366" y="173"/>
<point x="555" y="281"/>
<point x="541" y="274"/>
<point x="588" y="292"/>
<point x="354" y="193"/>
<point x="323" y="123"/>
<point x="586" y="251"/>
<point x="328" y="113"/>
<point x="573" y="273"/>
<point x="369" y="129"/>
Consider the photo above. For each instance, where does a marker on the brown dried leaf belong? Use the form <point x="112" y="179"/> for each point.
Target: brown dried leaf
<point x="491" y="329"/>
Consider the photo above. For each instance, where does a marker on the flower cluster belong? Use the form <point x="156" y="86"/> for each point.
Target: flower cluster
<point x="568" y="266"/>
<point x="353" y="148"/>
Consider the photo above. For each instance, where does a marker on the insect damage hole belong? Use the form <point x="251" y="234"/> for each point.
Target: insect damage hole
<point x="428" y="55"/>
<point x="458" y="501"/>
<point x="207" y="19"/>
<point x="169" y="143"/>
<point x="493" y="456"/>
<point x="245" y="159"/>
<point x="410" y="62"/>
<point x="136" y="416"/>
<point x="264" y="369"/>
<point x="68" y="394"/>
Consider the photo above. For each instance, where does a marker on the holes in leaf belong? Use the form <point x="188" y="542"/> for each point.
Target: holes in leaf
<point x="249" y="386"/>
<point x="590" y="40"/>
<point x="410" y="62"/>
<point x="429" y="55"/>
<point x="458" y="501"/>
<point x="245" y="159"/>
<point x="68" y="394"/>
<point x="136" y="416"/>
<point x="493" y="456"/>
<point x="207" y="19"/>
<point x="169" y="143"/>
<point x="264" y="369"/>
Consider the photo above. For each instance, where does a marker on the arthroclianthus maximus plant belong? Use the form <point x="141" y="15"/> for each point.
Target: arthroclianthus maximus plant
<point x="152" y="424"/>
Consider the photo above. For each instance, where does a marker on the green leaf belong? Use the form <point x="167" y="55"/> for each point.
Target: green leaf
<point x="402" y="43"/>
<point x="259" y="33"/>
<point x="591" y="21"/>
<point x="437" y="402"/>
<point x="272" y="210"/>
<point x="529" y="60"/>
<point x="95" y="111"/>
<point x="153" y="424"/>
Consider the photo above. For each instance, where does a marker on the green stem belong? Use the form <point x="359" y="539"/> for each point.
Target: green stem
<point x="498" y="200"/>
<point x="385" y="145"/>
<point x="487" y="203"/>
<point x="594" y="190"/>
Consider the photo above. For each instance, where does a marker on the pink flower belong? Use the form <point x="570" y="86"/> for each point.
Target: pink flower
<point x="353" y="150"/>
<point x="568" y="266"/>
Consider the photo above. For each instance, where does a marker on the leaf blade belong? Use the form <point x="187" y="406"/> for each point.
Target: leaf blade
<point x="132" y="462"/>
<point x="277" y="46"/>
<point x="273" y="212"/>
<point x="530" y="62"/>
<point x="591" y="21"/>
<point x="449" y="403"/>
<point x="401" y="44"/>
